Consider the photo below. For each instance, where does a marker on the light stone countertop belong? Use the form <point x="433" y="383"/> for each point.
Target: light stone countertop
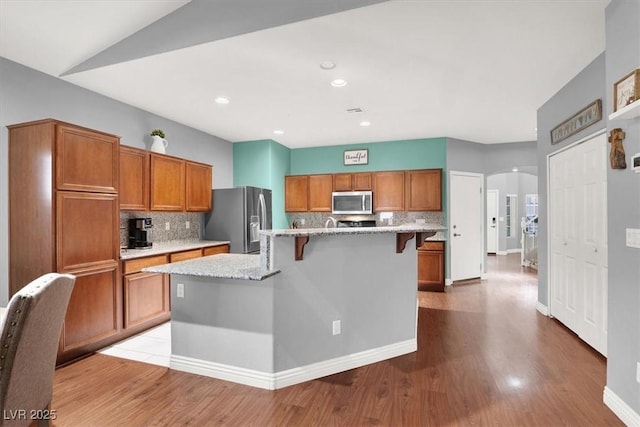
<point x="221" y="266"/>
<point x="404" y="228"/>
<point x="160" y="248"/>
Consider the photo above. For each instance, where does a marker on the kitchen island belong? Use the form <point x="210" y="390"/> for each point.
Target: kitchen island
<point x="315" y="302"/>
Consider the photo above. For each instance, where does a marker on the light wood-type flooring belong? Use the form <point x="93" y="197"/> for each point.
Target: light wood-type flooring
<point x="485" y="357"/>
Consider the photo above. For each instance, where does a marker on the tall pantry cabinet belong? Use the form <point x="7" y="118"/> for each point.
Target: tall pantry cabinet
<point x="64" y="217"/>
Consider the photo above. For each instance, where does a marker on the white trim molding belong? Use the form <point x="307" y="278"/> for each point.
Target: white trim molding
<point x="274" y="381"/>
<point x="542" y="308"/>
<point x="620" y="408"/>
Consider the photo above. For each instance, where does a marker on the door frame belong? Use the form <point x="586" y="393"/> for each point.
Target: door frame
<point x="483" y="210"/>
<point x="541" y="308"/>
<point x="497" y="210"/>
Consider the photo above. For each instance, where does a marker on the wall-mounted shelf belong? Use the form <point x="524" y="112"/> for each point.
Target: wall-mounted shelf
<point x="628" y="112"/>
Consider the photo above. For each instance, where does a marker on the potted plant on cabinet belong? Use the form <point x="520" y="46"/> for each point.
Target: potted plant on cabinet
<point x="159" y="144"/>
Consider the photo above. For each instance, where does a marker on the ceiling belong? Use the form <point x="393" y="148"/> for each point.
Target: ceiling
<point x="475" y="70"/>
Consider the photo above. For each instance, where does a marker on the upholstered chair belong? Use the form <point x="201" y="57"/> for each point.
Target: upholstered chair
<point x="29" y="335"/>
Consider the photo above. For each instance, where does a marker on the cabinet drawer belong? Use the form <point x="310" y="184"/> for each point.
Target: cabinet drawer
<point x="136" y="265"/>
<point x="212" y="250"/>
<point x="181" y="256"/>
<point x="432" y="246"/>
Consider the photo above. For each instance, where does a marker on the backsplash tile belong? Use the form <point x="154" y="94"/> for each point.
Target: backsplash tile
<point x="177" y="226"/>
<point x="317" y="220"/>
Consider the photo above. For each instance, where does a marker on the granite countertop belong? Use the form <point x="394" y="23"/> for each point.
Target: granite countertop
<point x="404" y="228"/>
<point x="221" y="266"/>
<point x="160" y="248"/>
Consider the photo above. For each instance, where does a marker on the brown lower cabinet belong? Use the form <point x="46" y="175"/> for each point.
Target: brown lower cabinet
<point x="431" y="266"/>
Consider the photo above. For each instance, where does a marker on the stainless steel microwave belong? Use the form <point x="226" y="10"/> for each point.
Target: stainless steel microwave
<point x="352" y="202"/>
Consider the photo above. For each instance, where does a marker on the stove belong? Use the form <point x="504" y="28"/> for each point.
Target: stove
<point x="357" y="223"/>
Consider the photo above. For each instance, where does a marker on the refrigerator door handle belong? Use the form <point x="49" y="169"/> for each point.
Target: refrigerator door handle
<point x="262" y="205"/>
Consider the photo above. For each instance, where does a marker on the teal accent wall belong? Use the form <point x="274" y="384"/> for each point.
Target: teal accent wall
<point x="263" y="164"/>
<point x="389" y="155"/>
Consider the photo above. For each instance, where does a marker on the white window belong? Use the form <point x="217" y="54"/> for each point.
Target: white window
<point x="531" y="213"/>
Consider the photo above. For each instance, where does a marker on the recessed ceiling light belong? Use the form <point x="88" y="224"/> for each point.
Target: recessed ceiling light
<point x="338" y="82"/>
<point x="278" y="132"/>
<point x="514" y="170"/>
<point x="222" y="100"/>
<point x="365" y="123"/>
<point x="327" y="65"/>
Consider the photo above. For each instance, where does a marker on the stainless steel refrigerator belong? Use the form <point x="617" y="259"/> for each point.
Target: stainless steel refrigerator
<point x="238" y="215"/>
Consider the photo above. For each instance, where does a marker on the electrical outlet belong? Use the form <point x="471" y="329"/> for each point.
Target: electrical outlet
<point x="187" y="225"/>
<point x="167" y="226"/>
<point x="180" y="290"/>
<point x="638" y="372"/>
<point x="302" y="221"/>
<point x="336" y="327"/>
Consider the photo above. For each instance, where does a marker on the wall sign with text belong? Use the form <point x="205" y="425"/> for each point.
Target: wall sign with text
<point x="356" y="157"/>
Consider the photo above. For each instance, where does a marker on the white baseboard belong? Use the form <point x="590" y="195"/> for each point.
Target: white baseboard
<point x="274" y="381"/>
<point x="501" y="253"/>
<point x="514" y="251"/>
<point x="542" y="308"/>
<point x="448" y="282"/>
<point x="620" y="408"/>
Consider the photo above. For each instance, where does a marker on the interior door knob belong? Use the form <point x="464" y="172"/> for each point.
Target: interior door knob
<point x="456" y="234"/>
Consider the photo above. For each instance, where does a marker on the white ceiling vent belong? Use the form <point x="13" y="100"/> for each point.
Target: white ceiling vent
<point x="355" y="110"/>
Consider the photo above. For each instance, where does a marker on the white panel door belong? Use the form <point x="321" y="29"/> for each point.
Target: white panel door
<point x="492" y="221"/>
<point x="466" y="225"/>
<point x="578" y="240"/>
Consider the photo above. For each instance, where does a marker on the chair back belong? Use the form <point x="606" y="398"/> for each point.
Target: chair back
<point x="29" y="338"/>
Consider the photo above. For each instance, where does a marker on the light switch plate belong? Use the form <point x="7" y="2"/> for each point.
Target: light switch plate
<point x="633" y="237"/>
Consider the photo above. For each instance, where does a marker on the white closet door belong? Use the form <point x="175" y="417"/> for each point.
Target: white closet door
<point x="578" y="240"/>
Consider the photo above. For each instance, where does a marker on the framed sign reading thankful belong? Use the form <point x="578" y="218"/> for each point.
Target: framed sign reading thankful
<point x="356" y="157"/>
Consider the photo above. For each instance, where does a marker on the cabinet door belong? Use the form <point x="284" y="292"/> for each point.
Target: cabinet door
<point x="296" y="190"/>
<point x="93" y="314"/>
<point x="388" y="191"/>
<point x="86" y="160"/>
<point x="134" y="179"/>
<point x="342" y="182"/>
<point x="431" y="266"/>
<point x="320" y="188"/>
<point x="87" y="230"/>
<point x="183" y="256"/>
<point x="424" y="190"/>
<point x="146" y="298"/>
<point x="213" y="250"/>
<point x="361" y="181"/>
<point x="167" y="183"/>
<point x="198" y="187"/>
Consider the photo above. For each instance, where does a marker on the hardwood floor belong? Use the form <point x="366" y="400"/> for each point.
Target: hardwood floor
<point x="485" y="357"/>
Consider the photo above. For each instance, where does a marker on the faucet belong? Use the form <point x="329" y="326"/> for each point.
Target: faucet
<point x="330" y="220"/>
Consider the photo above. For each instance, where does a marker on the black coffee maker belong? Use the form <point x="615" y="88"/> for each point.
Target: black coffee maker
<point x="138" y="233"/>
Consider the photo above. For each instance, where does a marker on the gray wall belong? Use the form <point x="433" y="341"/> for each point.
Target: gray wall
<point x="31" y="95"/>
<point x="623" y="56"/>
<point x="583" y="89"/>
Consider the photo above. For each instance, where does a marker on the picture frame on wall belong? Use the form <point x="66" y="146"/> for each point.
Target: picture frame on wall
<point x="626" y="90"/>
<point x="356" y="157"/>
<point x="582" y="119"/>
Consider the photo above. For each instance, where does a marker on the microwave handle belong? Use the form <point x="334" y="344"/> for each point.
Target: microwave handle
<point x="364" y="206"/>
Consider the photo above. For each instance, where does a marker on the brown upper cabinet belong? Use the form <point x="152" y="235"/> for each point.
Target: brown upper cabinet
<point x="134" y="179"/>
<point x="352" y="181"/>
<point x="296" y="192"/>
<point x="198" y="187"/>
<point x="388" y="191"/>
<point x="410" y="190"/>
<point x="86" y="160"/>
<point x="167" y="183"/>
<point x="157" y="182"/>
<point x="423" y="190"/>
<point x="320" y="188"/>
<point x="308" y="193"/>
